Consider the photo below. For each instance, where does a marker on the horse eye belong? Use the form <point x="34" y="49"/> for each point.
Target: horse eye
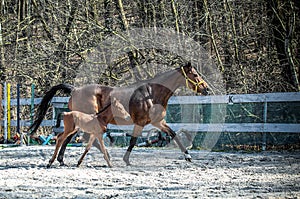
<point x="195" y="75"/>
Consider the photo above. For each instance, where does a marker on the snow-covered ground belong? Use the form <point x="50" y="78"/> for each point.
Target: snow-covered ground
<point x="155" y="173"/>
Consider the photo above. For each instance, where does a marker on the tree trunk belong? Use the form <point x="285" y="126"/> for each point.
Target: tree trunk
<point x="2" y="66"/>
<point x="283" y="27"/>
<point x="212" y="37"/>
<point x="123" y="15"/>
<point x="175" y="13"/>
<point x="132" y="54"/>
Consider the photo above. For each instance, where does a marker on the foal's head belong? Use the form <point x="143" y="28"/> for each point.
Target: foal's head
<point x="193" y="80"/>
<point x="118" y="109"/>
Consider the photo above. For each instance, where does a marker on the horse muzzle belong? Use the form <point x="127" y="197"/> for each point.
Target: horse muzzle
<point x="205" y="92"/>
<point x="127" y="118"/>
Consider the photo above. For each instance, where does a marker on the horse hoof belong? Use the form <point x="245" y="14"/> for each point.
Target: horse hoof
<point x="126" y="158"/>
<point x="188" y="157"/>
<point x="62" y="164"/>
<point x="126" y="161"/>
<point x="48" y="166"/>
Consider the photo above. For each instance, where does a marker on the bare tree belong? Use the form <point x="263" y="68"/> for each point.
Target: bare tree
<point x="283" y="15"/>
<point x="254" y="44"/>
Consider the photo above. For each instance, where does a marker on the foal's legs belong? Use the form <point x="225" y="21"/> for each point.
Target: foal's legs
<point x="136" y="132"/>
<point x="59" y="142"/>
<point x="95" y="143"/>
<point x="87" y="148"/>
<point x="103" y="149"/>
<point x="60" y="157"/>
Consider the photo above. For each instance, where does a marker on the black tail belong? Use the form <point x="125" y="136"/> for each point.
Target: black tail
<point x="58" y="120"/>
<point x="45" y="103"/>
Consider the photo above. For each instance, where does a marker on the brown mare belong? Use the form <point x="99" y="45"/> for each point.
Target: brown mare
<point x="94" y="124"/>
<point x="146" y="102"/>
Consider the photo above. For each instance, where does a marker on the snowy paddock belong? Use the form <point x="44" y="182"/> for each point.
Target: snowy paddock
<point x="155" y="173"/>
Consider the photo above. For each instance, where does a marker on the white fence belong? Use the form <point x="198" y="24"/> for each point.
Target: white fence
<point x="59" y="102"/>
<point x="264" y="127"/>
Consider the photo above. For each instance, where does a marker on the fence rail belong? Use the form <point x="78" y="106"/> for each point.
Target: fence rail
<point x="59" y="102"/>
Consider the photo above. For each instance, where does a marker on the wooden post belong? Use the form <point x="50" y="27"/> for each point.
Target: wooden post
<point x="1" y="109"/>
<point x="31" y="110"/>
<point x="8" y="112"/>
<point x="32" y="104"/>
<point x="5" y="112"/>
<point x="18" y="115"/>
<point x="264" y="135"/>
<point x="18" y="109"/>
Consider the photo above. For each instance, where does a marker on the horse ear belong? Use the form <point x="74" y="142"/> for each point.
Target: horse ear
<point x="189" y="65"/>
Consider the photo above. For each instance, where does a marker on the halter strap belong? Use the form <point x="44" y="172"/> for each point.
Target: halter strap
<point x="103" y="109"/>
<point x="187" y="80"/>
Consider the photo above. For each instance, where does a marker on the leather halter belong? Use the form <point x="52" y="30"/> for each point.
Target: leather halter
<point x="187" y="80"/>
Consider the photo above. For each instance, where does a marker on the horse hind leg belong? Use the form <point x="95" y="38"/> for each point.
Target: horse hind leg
<point x="165" y="128"/>
<point x="60" y="157"/>
<point x="59" y="142"/>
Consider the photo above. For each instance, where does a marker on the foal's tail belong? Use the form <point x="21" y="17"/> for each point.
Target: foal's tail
<point x="45" y="103"/>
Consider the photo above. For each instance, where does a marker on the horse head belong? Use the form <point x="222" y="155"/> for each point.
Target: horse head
<point x="193" y="79"/>
<point x="119" y="110"/>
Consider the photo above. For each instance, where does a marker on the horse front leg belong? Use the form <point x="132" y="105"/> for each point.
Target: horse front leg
<point x="87" y="148"/>
<point x="57" y="146"/>
<point x="165" y="128"/>
<point x="86" y="136"/>
<point x="103" y="149"/>
<point x="60" y="157"/>
<point x="136" y="132"/>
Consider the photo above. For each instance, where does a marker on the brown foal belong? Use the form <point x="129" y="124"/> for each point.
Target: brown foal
<point x="93" y="124"/>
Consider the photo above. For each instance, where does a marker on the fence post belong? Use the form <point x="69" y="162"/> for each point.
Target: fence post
<point x="1" y="109"/>
<point x="5" y="112"/>
<point x="31" y="110"/>
<point x="32" y="104"/>
<point x="8" y="112"/>
<point x="18" y="112"/>
<point x="264" y="135"/>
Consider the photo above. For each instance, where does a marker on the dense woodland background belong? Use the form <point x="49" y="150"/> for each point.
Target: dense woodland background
<point x="255" y="44"/>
